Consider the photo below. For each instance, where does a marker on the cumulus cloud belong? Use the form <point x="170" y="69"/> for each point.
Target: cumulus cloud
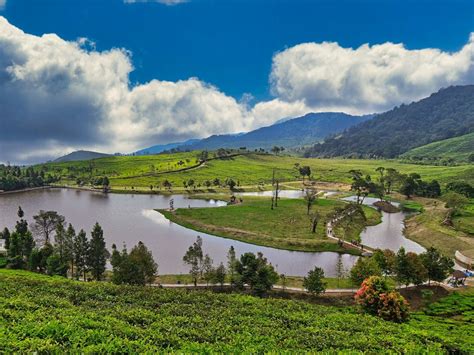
<point x="57" y="96"/>
<point x="368" y="78"/>
<point x="165" y="2"/>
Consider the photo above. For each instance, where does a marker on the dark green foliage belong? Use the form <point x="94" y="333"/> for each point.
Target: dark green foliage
<point x="256" y="272"/>
<point x="16" y="178"/>
<point x="314" y="281"/>
<point x="194" y="258"/>
<point x="445" y="114"/>
<point x="438" y="267"/>
<point x="461" y="187"/>
<point x="136" y="268"/>
<point x="81" y="251"/>
<point x="364" y="268"/>
<point x="97" y="253"/>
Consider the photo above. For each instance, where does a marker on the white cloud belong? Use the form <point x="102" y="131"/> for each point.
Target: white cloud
<point x="368" y="78"/>
<point x="57" y="96"/>
<point x="165" y="2"/>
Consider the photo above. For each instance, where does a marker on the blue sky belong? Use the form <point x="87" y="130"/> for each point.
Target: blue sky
<point x="120" y="75"/>
<point x="230" y="43"/>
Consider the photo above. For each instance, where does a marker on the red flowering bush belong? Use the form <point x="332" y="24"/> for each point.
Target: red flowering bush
<point x="375" y="297"/>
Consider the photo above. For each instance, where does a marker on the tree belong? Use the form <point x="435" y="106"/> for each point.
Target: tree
<point x="386" y="260"/>
<point x="377" y="298"/>
<point x="194" y="258"/>
<point x="310" y="198"/>
<point x="219" y="275"/>
<point x="360" y="185"/>
<point x="461" y="187"/>
<point x="409" y="185"/>
<point x="340" y="270"/>
<point x="208" y="269"/>
<point x="314" y="281"/>
<point x="81" y="251"/>
<point x="46" y="223"/>
<point x="315" y="217"/>
<point x="304" y="171"/>
<point x="418" y="272"/>
<point x="454" y="200"/>
<point x="409" y="268"/>
<point x="69" y="247"/>
<point x="231" y="265"/>
<point x="145" y="267"/>
<point x="275" y="150"/>
<point x="438" y="267"/>
<point x="97" y="253"/>
<point x="231" y="183"/>
<point x="364" y="268"/>
<point x="256" y="272"/>
<point x="55" y="266"/>
<point x="105" y="184"/>
<point x="391" y="177"/>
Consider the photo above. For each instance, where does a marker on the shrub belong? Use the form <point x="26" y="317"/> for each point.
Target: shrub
<point x="375" y="297"/>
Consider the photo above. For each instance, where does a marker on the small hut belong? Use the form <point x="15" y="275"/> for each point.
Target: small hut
<point x="459" y="277"/>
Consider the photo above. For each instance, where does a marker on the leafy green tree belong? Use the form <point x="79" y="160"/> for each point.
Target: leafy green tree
<point x="68" y="252"/>
<point x="55" y="265"/>
<point x="97" y="253"/>
<point x="46" y="223"/>
<point x="364" y="268"/>
<point x="219" y="275"/>
<point x="360" y="185"/>
<point x="136" y="268"/>
<point x="455" y="201"/>
<point x="409" y="268"/>
<point x="81" y="251"/>
<point x="208" y="269"/>
<point x="340" y="270"/>
<point x="385" y="260"/>
<point x="194" y="258"/>
<point x="461" y="187"/>
<point x="418" y="272"/>
<point x="304" y="171"/>
<point x="231" y="265"/>
<point x="314" y="281"/>
<point x="438" y="267"/>
<point x="256" y="272"/>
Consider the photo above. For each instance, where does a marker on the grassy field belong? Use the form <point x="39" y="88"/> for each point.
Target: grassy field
<point x="457" y="149"/>
<point x="249" y="170"/>
<point x="427" y="229"/>
<point x="42" y="314"/>
<point x="286" y="227"/>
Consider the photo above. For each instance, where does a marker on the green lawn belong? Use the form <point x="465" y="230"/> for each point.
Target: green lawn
<point x="140" y="172"/>
<point x="41" y="314"/>
<point x="285" y="227"/>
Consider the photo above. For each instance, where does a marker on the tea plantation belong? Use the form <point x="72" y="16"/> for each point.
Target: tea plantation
<point x="44" y="314"/>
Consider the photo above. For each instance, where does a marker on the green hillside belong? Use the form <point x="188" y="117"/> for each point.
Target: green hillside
<point x="42" y="314"/>
<point x="445" y="114"/>
<point x="249" y="170"/>
<point x="457" y="149"/>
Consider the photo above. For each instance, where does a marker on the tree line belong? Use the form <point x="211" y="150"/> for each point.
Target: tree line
<point x="17" y="178"/>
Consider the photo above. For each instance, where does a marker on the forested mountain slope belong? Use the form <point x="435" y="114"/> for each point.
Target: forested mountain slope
<point x="445" y="114"/>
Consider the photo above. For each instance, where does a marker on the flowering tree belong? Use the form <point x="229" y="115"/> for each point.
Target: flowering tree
<point x="375" y="297"/>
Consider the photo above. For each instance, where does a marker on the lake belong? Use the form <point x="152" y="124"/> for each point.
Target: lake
<point x="128" y="218"/>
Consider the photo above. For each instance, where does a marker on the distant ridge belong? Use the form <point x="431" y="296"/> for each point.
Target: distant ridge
<point x="288" y="133"/>
<point x="163" y="147"/>
<point x="81" y="155"/>
<point x="445" y="114"/>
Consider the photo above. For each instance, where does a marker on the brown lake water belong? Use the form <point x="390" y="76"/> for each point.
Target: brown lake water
<point x="128" y="219"/>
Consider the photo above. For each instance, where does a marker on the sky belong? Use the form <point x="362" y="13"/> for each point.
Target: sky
<point x="120" y="75"/>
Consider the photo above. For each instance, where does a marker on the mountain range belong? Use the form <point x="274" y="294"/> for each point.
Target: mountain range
<point x="289" y="133"/>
